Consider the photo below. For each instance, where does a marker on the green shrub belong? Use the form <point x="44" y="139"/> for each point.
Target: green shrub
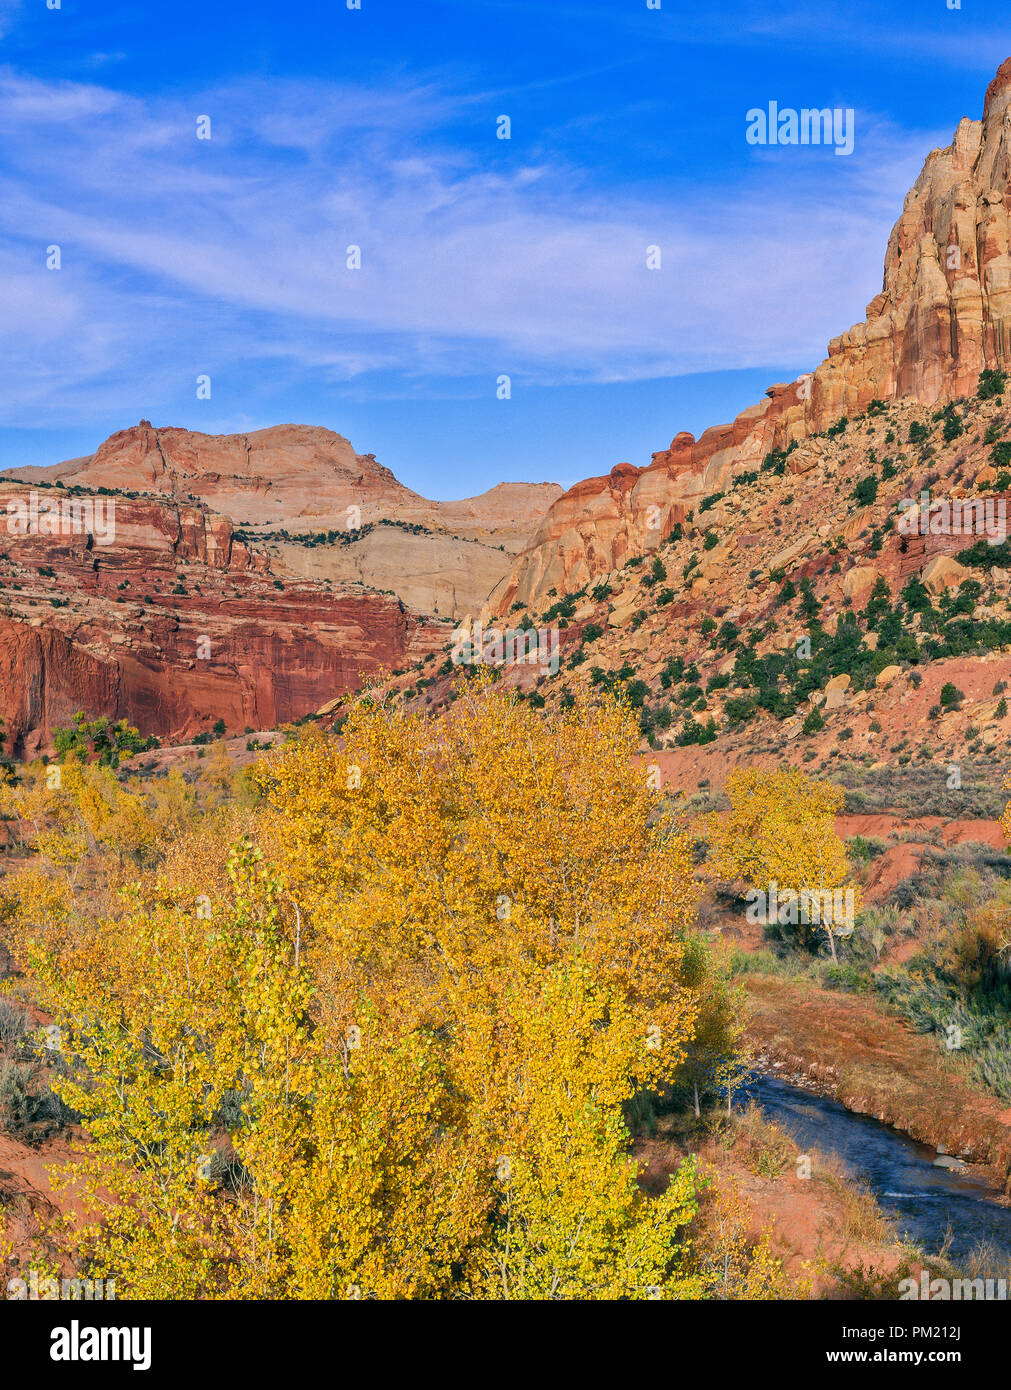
<point x="991" y="384"/>
<point x="25" y="1111"/>
<point x="866" y="491"/>
<point x="100" y="738"/>
<point x="981" y="554"/>
<point x="814" y="723"/>
<point x="953" y="427"/>
<point x="18" y="1103"/>
<point x="739" y="709"/>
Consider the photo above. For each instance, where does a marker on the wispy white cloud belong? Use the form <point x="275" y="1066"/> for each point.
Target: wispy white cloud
<point x="182" y="256"/>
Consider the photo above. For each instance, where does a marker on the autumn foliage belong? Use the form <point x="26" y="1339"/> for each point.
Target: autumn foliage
<point x="377" y="1035"/>
<point x="780" y="829"/>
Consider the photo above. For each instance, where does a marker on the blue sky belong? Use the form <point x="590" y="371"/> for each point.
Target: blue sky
<point x="480" y="257"/>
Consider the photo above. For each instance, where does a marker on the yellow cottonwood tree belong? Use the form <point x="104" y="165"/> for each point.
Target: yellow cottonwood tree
<point x="432" y="857"/>
<point x="781" y="829"/>
<point x="232" y="1154"/>
<point x="734" y="1262"/>
<point x="569" y="1219"/>
<point x="385" y="1055"/>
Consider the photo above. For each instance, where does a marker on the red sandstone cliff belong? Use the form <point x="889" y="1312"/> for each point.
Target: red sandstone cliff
<point x="179" y="622"/>
<point x="176" y="624"/>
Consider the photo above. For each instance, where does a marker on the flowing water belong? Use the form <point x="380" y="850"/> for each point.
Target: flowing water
<point x="924" y="1202"/>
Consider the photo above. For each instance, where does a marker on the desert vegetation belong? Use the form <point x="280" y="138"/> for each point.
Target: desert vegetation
<point x="434" y="1007"/>
<point x="375" y="1016"/>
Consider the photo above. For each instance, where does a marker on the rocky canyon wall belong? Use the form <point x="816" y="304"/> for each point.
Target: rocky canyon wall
<point x="943" y="315"/>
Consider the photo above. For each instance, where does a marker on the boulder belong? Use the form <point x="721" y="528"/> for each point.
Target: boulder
<point x="623" y="609"/>
<point x="802" y="461"/>
<point x="943" y="573"/>
<point x="859" y="580"/>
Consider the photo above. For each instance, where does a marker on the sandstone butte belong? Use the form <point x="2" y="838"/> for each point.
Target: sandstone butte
<point x="943" y="315"/>
<point x="304" y="480"/>
<point x="196" y="611"/>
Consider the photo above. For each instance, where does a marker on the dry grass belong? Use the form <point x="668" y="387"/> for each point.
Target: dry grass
<point x="762" y="1146"/>
<point x="862" y="1220"/>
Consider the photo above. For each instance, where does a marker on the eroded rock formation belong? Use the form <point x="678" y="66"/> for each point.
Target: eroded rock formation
<point x="441" y="557"/>
<point x="174" y="624"/>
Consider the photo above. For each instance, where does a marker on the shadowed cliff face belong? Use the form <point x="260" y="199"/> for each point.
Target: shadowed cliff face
<point x="174" y="623"/>
<point x="943" y="315"/>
